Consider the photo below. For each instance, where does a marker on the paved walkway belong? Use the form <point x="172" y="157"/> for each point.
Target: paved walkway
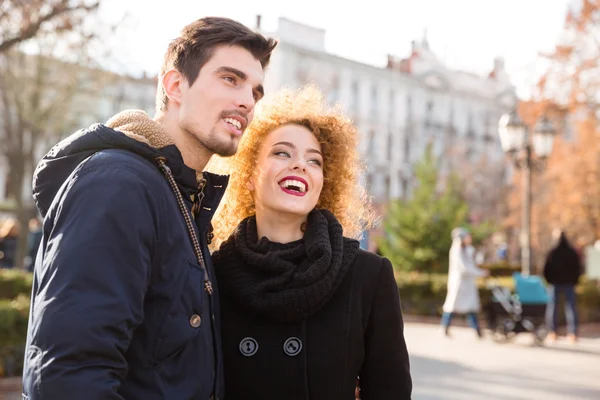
<point x="465" y="368"/>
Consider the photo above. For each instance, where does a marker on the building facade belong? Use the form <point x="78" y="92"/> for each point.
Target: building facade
<point x="401" y="107"/>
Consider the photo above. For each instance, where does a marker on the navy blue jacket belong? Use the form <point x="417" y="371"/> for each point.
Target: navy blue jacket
<point x="118" y="309"/>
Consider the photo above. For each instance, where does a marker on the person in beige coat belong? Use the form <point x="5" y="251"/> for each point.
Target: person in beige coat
<point x="462" y="296"/>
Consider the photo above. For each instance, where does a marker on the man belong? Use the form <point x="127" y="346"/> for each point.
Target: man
<point x="124" y="301"/>
<point x="562" y="271"/>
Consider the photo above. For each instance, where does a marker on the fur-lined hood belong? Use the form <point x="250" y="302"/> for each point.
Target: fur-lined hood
<point x="131" y="130"/>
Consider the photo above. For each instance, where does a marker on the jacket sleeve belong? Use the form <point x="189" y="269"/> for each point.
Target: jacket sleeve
<point x="548" y="272"/>
<point x="89" y="290"/>
<point x="467" y="264"/>
<point x="385" y="373"/>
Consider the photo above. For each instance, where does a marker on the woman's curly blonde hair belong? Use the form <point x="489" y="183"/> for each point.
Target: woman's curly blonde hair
<point x="342" y="193"/>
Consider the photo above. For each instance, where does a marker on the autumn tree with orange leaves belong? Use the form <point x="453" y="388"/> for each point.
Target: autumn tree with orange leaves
<point x="567" y="192"/>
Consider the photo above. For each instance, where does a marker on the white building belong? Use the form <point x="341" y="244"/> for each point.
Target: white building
<point x="401" y="107"/>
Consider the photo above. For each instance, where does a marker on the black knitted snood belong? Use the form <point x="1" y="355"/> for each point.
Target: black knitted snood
<point x="285" y="282"/>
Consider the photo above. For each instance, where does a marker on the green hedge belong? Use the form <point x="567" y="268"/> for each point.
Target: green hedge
<point x="14" y="283"/>
<point x="14" y="315"/>
<point x="421" y="294"/>
<point x="13" y="321"/>
<point x="15" y="289"/>
<point x="501" y="269"/>
<point x="424" y="294"/>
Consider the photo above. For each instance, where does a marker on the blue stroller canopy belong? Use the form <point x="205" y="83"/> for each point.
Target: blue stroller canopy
<point x="530" y="289"/>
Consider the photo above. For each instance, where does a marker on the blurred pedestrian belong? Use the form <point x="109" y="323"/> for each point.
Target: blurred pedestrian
<point x="33" y="242"/>
<point x="463" y="295"/>
<point x="9" y="235"/>
<point x="562" y="270"/>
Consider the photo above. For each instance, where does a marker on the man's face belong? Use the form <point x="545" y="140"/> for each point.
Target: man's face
<point x="219" y="105"/>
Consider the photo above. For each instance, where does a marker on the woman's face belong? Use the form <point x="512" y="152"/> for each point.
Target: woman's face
<point x="467" y="240"/>
<point x="288" y="176"/>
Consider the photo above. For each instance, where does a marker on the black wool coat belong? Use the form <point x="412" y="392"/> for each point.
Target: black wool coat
<point x="358" y="333"/>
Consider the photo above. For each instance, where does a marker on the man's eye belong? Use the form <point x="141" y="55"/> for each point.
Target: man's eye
<point x="229" y="79"/>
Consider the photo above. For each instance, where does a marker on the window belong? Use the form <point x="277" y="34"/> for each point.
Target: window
<point x="388" y="186"/>
<point x="406" y="150"/>
<point x="429" y="114"/>
<point x="354" y="97"/>
<point x="429" y="107"/>
<point x="372" y="143"/>
<point x="389" y="146"/>
<point x="334" y="91"/>
<point x="404" y="188"/>
<point x="374" y="102"/>
<point x="392" y="106"/>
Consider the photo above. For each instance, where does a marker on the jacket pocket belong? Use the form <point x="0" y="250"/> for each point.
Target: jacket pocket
<point x="184" y="318"/>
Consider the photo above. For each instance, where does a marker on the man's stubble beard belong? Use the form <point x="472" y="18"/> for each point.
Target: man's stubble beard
<point x="213" y="144"/>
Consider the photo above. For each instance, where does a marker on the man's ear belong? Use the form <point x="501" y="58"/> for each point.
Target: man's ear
<point x="174" y="83"/>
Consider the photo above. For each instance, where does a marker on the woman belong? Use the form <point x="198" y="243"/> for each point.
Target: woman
<point x="304" y="311"/>
<point x="463" y="295"/>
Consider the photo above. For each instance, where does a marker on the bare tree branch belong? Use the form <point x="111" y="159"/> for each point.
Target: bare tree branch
<point x="29" y="28"/>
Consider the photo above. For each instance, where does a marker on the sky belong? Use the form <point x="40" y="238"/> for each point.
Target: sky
<point x="465" y="34"/>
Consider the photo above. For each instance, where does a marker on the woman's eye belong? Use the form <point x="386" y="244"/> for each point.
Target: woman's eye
<point x="282" y="153"/>
<point x="316" y="162"/>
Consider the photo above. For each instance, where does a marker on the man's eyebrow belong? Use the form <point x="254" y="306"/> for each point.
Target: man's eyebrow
<point x="231" y="70"/>
<point x="242" y="75"/>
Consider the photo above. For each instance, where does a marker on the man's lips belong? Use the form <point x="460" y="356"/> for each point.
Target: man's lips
<point x="241" y="119"/>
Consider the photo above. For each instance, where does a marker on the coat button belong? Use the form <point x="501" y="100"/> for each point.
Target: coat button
<point x="292" y="347"/>
<point x="195" y="320"/>
<point x="248" y="346"/>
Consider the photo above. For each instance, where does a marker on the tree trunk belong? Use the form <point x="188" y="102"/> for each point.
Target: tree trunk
<point x="17" y="172"/>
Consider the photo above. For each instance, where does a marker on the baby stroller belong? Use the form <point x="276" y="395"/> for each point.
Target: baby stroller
<point x="510" y="314"/>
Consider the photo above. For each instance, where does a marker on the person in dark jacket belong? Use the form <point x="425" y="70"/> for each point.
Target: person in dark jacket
<point x="34" y="238"/>
<point x="562" y="271"/>
<point x="124" y="302"/>
<point x="9" y="236"/>
<point x="305" y="312"/>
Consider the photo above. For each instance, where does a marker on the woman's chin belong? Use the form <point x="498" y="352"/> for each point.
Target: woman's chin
<point x="300" y="212"/>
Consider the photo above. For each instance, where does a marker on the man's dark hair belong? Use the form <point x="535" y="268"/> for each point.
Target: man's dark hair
<point x="198" y="41"/>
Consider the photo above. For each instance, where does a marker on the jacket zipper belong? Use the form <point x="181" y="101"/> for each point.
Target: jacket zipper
<point x="188" y="220"/>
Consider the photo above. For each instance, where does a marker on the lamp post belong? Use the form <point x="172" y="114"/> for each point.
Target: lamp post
<point x="522" y="147"/>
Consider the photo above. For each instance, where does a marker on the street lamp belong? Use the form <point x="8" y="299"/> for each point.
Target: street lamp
<point x="516" y="141"/>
